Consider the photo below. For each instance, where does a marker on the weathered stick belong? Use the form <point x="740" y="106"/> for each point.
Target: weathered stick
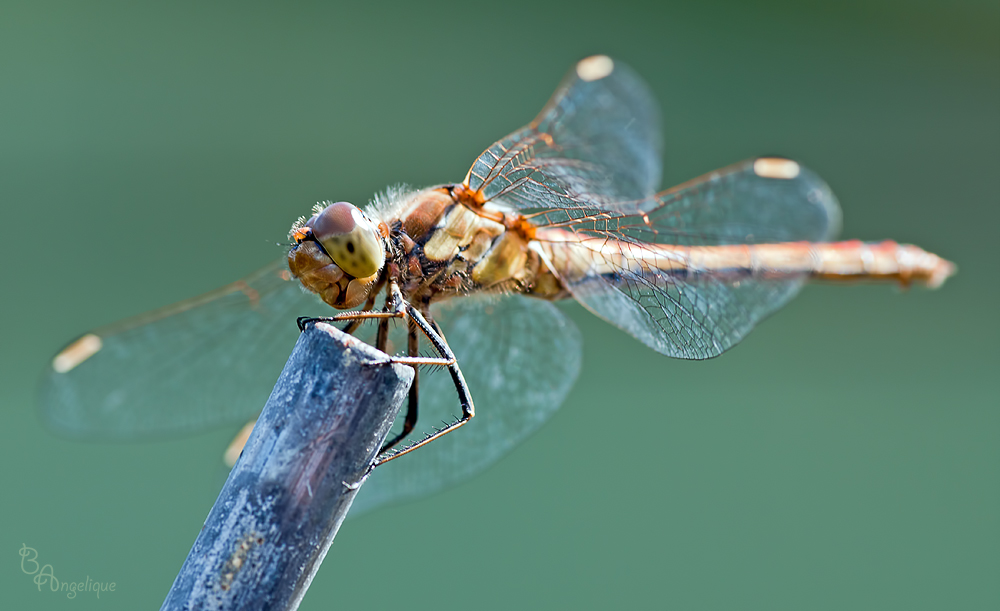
<point x="286" y="497"/>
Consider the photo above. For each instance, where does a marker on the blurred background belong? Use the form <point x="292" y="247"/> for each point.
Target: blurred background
<point x="844" y="456"/>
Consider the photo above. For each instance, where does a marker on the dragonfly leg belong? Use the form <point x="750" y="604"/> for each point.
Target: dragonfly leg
<point x="397" y="307"/>
<point x="413" y="346"/>
<point x="382" y="337"/>
<point x="359" y="315"/>
<point x="352" y="326"/>
<point x="437" y="340"/>
<point x="354" y="318"/>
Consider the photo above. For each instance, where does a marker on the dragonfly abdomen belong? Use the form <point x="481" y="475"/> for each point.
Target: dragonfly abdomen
<point x="857" y="260"/>
<point x="573" y="261"/>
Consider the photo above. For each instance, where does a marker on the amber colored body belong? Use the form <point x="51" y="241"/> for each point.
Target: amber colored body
<point x="440" y="245"/>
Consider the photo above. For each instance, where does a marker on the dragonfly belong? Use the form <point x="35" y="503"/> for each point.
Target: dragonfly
<point x="567" y="207"/>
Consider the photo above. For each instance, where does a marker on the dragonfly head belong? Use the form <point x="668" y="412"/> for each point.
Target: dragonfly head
<point x="338" y="254"/>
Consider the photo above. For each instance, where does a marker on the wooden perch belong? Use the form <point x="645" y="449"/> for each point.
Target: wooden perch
<point x="280" y="509"/>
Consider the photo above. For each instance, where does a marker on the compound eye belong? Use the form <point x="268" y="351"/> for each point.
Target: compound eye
<point x="350" y="238"/>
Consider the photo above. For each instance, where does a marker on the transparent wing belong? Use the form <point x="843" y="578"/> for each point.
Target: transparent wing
<point x="757" y="201"/>
<point x="520" y="357"/>
<point x="696" y="313"/>
<point x="589" y="164"/>
<point x="204" y="362"/>
<point x="597" y="142"/>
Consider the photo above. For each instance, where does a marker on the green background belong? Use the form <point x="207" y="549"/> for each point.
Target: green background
<point x="844" y="456"/>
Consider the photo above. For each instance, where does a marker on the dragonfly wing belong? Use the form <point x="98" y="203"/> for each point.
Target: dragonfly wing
<point x="207" y="361"/>
<point x="684" y="319"/>
<point x="695" y="315"/>
<point x="520" y="357"/>
<point x="757" y="201"/>
<point x="597" y="142"/>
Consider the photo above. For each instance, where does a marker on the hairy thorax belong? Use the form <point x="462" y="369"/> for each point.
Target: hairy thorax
<point x="444" y="248"/>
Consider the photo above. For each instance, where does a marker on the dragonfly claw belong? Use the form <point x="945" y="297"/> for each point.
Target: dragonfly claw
<point x="305" y="321"/>
<point x="357" y="484"/>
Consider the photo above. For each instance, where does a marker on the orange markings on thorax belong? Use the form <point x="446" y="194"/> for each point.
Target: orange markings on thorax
<point x="473" y="200"/>
<point x="518" y="224"/>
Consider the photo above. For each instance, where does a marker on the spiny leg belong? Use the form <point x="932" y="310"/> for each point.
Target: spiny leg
<point x="436" y="338"/>
<point x="382" y="337"/>
<point x="356" y="318"/>
<point x="348" y="316"/>
<point x="352" y="326"/>
<point x="400" y="311"/>
<point x="413" y="346"/>
<point x="397" y="307"/>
